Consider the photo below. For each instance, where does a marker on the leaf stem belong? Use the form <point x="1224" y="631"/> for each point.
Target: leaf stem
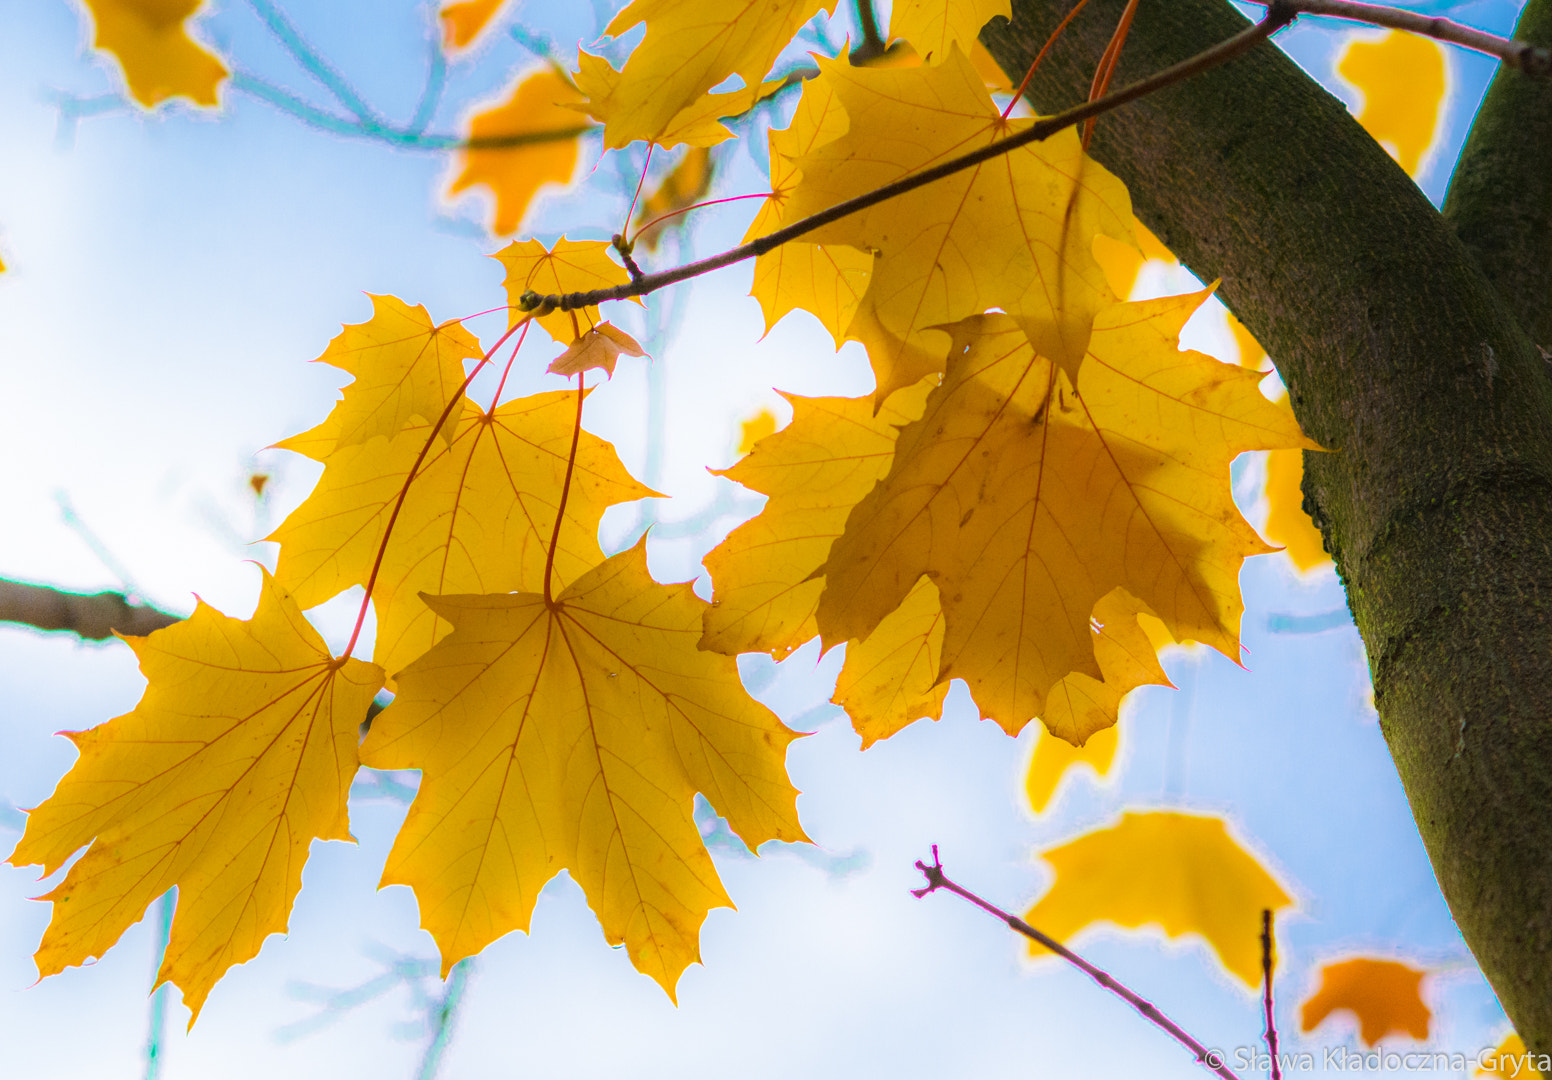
<point x="1279" y="14"/>
<point x="645" y="165"/>
<point x="1267" y="963"/>
<point x="565" y="493"/>
<point x="1534" y="60"/>
<point x="937" y="879"/>
<point x="697" y="206"/>
<point x="404" y="490"/>
<point x="1039" y="56"/>
<point x="1107" y="65"/>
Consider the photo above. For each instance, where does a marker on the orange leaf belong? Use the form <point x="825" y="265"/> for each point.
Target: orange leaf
<point x="239" y="755"/>
<point x="1511" y="1061"/>
<point x="463" y="20"/>
<point x="150" y="39"/>
<point x="1384" y="995"/>
<point x="1286" y="522"/>
<point x="574" y="735"/>
<point x="600" y="347"/>
<point x="529" y="139"/>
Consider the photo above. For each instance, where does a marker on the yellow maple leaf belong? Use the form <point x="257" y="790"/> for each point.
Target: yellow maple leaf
<point x="766" y="574"/>
<point x="1052" y="758"/>
<point x="1511" y="1061"/>
<point x="827" y="281"/>
<point x="151" y="41"/>
<point x="527" y="140"/>
<point x="1015" y="233"/>
<point x="689" y="48"/>
<point x="1127" y="638"/>
<point x="465" y="20"/>
<point x="752" y="430"/>
<point x="574" y="735"/>
<point x="404" y="367"/>
<point x="1182" y="872"/>
<point x="1402" y="77"/>
<point x="1286" y="522"/>
<point x="1384" y="995"/>
<point x="697" y="124"/>
<point x="570" y="266"/>
<point x="1027" y="502"/>
<point x="932" y="26"/>
<point x="600" y="347"/>
<point x="890" y="678"/>
<point x="239" y="755"/>
<point x="478" y="517"/>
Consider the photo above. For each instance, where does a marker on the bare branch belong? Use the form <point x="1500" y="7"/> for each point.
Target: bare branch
<point x="1531" y="59"/>
<point x="1279" y="14"/>
<point x="1268" y="958"/>
<point x="95" y="617"/>
<point x="937" y="879"/>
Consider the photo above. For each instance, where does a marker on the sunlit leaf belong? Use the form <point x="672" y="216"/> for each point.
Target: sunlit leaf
<point x="1402" y="77"/>
<point x="1181" y="872"/>
<point x="151" y="41"/>
<point x="574" y="736"/>
<point x="1385" y="996"/>
<point x="934" y="25"/>
<point x="239" y="755"/>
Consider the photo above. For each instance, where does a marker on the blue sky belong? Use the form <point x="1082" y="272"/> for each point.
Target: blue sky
<point x="170" y="276"/>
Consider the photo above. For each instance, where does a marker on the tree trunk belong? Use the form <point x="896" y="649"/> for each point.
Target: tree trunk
<point x="1401" y="355"/>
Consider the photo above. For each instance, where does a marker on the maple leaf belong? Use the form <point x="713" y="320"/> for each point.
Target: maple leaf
<point x="932" y="26"/>
<point x="465" y="20"/>
<point x="404" y="366"/>
<point x="151" y="41"/>
<point x="570" y="266"/>
<point x="1183" y="872"/>
<point x="574" y="735"/>
<point x="539" y="141"/>
<point x="1015" y="233"/>
<point x="1287" y="525"/>
<point x="828" y="281"/>
<point x="767" y="573"/>
<point x="688" y="49"/>
<point x="1127" y="638"/>
<point x="1510" y="1061"/>
<point x="478" y="517"/>
<point x="239" y="755"/>
<point x="759" y="426"/>
<point x="890" y="678"/>
<point x="1027" y="502"/>
<point x="1052" y="759"/>
<point x="600" y="347"/>
<point x="1384" y="995"/>
<point x="1402" y="79"/>
<point x="696" y="125"/>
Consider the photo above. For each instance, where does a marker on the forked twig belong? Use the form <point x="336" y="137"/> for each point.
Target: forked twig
<point x="937" y="879"/>
<point x="1531" y="59"/>
<point x="1268" y="961"/>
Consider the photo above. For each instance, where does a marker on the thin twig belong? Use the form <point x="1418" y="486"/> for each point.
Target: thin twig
<point x="936" y="880"/>
<point x="1531" y="59"/>
<point x="1268" y="961"/>
<point x="94" y="617"/>
<point x="1278" y="15"/>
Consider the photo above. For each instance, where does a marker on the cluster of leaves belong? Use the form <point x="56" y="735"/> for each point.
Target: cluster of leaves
<point x="1034" y="500"/>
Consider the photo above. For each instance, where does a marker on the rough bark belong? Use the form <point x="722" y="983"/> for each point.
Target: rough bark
<point x="1500" y="199"/>
<point x="1400" y="355"/>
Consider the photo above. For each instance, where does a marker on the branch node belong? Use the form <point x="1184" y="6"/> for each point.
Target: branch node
<point x="933" y="873"/>
<point x="625" y="248"/>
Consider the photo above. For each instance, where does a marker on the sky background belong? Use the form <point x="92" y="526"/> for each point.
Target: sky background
<point x="170" y="276"/>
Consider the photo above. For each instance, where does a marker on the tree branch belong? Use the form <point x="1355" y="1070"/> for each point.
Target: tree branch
<point x="1278" y="15"/>
<point x="1527" y="57"/>
<point x="95" y="617"/>
<point x="1500" y="198"/>
<point x="937" y="879"/>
